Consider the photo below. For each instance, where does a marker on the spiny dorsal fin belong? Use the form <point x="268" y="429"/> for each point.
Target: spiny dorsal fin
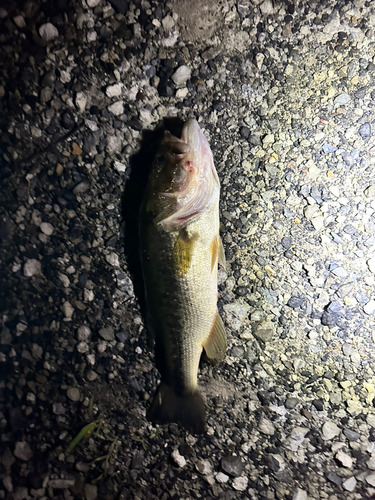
<point x="216" y="344"/>
<point x="183" y="252"/>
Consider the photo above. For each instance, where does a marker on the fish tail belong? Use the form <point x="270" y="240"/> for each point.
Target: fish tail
<point x="188" y="409"/>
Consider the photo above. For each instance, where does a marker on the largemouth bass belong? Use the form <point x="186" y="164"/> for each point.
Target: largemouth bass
<point x="180" y="250"/>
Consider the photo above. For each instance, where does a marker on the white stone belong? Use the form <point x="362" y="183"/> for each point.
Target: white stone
<point x="114" y="90"/>
<point x="65" y="76"/>
<point x="371" y="462"/>
<point x="120" y="167"/>
<point x="112" y="259"/>
<point x="344" y="459"/>
<point x="300" y="494"/>
<point x="349" y="484"/>
<point x="265" y="426"/>
<point x="204" y="467"/>
<point x="48" y="32"/>
<point x="46" y="228"/>
<point x="82" y="347"/>
<point x="371" y="479"/>
<point x="221" y="477"/>
<point x="335" y="190"/>
<point x="369" y="308"/>
<point x="117" y="108"/>
<point x="311" y="211"/>
<point x="178" y="459"/>
<point x="68" y="310"/>
<point x="181" y="75"/>
<point x="32" y="267"/>
<point x="93" y="126"/>
<point x="64" y="280"/>
<point x="81" y="101"/>
<point x="318" y="223"/>
<point x="330" y="430"/>
<point x="240" y="483"/>
<point x="266" y="8"/>
<point x="168" y="23"/>
<point x="19" y="21"/>
<point x="171" y="40"/>
<point x="93" y="3"/>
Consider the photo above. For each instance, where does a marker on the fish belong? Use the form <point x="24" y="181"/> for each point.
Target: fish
<point x="180" y="249"/>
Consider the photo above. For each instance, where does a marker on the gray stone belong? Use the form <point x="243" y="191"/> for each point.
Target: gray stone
<point x="342" y="99"/>
<point x="334" y="478"/>
<point x="107" y="333"/>
<point x="365" y="131"/>
<point x="291" y="403"/>
<point x="23" y="451"/>
<point x="330" y="430"/>
<point x="264" y="333"/>
<point x="81" y="187"/>
<point x="83" y="332"/>
<point x="48" y="32"/>
<point x="351" y="435"/>
<point x="32" y="267"/>
<point x="232" y="465"/>
<point x="73" y="394"/>
<point x="295" y="302"/>
<point x="61" y="484"/>
<point x="91" y="491"/>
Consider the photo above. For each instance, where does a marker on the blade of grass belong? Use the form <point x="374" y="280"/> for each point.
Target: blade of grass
<point x="84" y="432"/>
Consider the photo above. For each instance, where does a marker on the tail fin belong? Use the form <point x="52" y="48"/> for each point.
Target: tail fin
<point x="187" y="409"/>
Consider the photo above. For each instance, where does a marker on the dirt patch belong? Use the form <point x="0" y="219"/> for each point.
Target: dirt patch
<point x="199" y="19"/>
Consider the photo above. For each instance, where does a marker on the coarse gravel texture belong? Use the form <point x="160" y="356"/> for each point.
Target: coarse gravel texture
<point x="286" y="96"/>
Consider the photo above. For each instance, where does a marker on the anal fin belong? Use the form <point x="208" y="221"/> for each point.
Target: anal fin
<point x="216" y="344"/>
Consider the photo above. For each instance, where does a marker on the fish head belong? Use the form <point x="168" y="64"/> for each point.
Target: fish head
<point x="185" y="178"/>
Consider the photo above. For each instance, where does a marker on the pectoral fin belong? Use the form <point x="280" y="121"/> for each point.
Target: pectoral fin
<point x="183" y="252"/>
<point x="217" y="252"/>
<point x="216" y="344"/>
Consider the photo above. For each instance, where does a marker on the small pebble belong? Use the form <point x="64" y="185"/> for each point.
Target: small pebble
<point x="73" y="394"/>
<point x="32" y="267"/>
<point x="23" y="451"/>
<point x="48" y="32"/>
<point x="46" y="228"/>
<point x="330" y="430"/>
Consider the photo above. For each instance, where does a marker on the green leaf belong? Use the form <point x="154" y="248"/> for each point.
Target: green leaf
<point x="85" y="432"/>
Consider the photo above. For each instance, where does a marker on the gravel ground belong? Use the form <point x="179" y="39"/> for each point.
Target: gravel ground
<point x="286" y="96"/>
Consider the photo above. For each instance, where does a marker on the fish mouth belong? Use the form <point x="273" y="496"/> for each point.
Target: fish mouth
<point x="194" y="182"/>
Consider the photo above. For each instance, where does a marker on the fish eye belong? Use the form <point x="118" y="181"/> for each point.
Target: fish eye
<point x="160" y="158"/>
